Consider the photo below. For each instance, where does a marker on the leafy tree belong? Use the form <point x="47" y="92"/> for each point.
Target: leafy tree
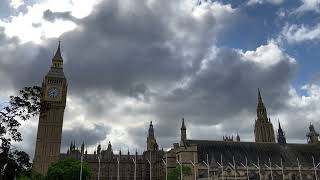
<point x="20" y="108"/>
<point x="175" y="174"/>
<point x="30" y="175"/>
<point x="68" y="169"/>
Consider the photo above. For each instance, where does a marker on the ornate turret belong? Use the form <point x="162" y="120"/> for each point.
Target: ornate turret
<point x="99" y="149"/>
<point x="263" y="127"/>
<point x="109" y="148"/>
<point x="82" y="148"/>
<point x="151" y="139"/>
<point x="228" y="138"/>
<point x="281" y="135"/>
<point x="238" y="137"/>
<point x="183" y="131"/>
<point x="312" y="135"/>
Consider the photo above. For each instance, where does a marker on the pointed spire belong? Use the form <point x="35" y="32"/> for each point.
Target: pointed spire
<point x="183" y="127"/>
<point x="260" y="101"/>
<point x="151" y="130"/>
<point x="261" y="109"/>
<point x="58" y="56"/>
<point x="82" y="148"/>
<point x="279" y="125"/>
<point x="99" y="149"/>
<point x="71" y="145"/>
<point x="259" y="96"/>
<point x="109" y="148"/>
<point x="238" y="137"/>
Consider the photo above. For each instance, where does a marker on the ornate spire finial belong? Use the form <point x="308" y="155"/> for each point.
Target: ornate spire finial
<point x="183" y="125"/>
<point x="279" y="124"/>
<point x="58" y="56"/>
<point x="259" y="96"/>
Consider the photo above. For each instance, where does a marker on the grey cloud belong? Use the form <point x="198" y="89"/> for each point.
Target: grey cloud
<point x="83" y="133"/>
<point x="4" y="9"/>
<point x="53" y="16"/>
<point x="36" y="25"/>
<point x="146" y="52"/>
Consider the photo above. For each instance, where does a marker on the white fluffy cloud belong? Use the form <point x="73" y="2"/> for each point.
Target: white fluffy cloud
<point x="252" y="2"/>
<point x="309" y="5"/>
<point x="129" y="63"/>
<point x="299" y="33"/>
<point x="267" y="55"/>
<point x="31" y="27"/>
<point x="16" y="3"/>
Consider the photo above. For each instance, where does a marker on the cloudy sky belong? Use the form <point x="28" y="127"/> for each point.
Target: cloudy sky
<point x="131" y="62"/>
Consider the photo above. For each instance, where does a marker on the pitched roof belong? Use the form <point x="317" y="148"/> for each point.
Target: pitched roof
<point x="240" y="150"/>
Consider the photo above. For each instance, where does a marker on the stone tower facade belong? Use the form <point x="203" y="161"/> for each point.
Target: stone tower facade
<point x="281" y="135"/>
<point x="151" y="139"/>
<point x="53" y="102"/>
<point x="263" y="130"/>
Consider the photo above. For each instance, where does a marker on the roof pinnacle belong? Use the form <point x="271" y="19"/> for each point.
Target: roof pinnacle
<point x="183" y="125"/>
<point x="58" y="56"/>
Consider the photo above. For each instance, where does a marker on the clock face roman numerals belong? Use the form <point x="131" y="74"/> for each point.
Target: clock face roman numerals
<point x="53" y="92"/>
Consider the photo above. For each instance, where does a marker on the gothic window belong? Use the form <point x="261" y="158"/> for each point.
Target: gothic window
<point x="293" y="177"/>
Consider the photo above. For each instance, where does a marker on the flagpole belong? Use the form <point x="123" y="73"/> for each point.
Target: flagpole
<point x="149" y="161"/>
<point x="259" y="168"/>
<point x="207" y="164"/>
<point x="315" y="168"/>
<point x="81" y="166"/>
<point x="270" y="166"/>
<point x="118" y="175"/>
<point x="194" y="166"/>
<point x="299" y="166"/>
<point x="99" y="157"/>
<point x="181" y="176"/>
<point x="166" y="165"/>
<point x="234" y="166"/>
<point x="282" y="169"/>
<point x="135" y="167"/>
<point x="222" y="167"/>
<point x="247" y="168"/>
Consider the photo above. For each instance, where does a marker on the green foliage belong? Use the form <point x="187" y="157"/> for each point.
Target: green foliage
<point x="68" y="169"/>
<point x="30" y="175"/>
<point x="20" y="108"/>
<point x="174" y="174"/>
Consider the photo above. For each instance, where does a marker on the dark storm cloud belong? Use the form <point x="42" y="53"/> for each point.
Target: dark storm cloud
<point x="153" y="53"/>
<point x="53" y="16"/>
<point x="82" y="133"/>
<point x="228" y="86"/>
<point x="224" y="90"/>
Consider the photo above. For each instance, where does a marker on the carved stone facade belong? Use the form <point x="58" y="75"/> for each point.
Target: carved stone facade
<point x="125" y="164"/>
<point x="53" y="102"/>
<point x="263" y="129"/>
<point x="246" y="160"/>
<point x="208" y="159"/>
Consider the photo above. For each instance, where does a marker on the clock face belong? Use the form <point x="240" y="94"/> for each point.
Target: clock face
<point x="53" y="92"/>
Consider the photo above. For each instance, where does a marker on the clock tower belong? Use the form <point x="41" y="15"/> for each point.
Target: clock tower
<point x="53" y="102"/>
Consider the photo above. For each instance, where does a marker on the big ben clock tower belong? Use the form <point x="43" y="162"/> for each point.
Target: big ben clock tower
<point x="53" y="102"/>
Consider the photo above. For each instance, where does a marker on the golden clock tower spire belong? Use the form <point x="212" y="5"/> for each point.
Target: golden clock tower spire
<point x="53" y="102"/>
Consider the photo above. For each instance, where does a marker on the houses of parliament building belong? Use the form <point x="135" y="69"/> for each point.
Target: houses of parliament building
<point x="269" y="157"/>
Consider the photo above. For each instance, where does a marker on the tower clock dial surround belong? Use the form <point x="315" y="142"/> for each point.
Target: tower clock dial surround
<point x="53" y="92"/>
